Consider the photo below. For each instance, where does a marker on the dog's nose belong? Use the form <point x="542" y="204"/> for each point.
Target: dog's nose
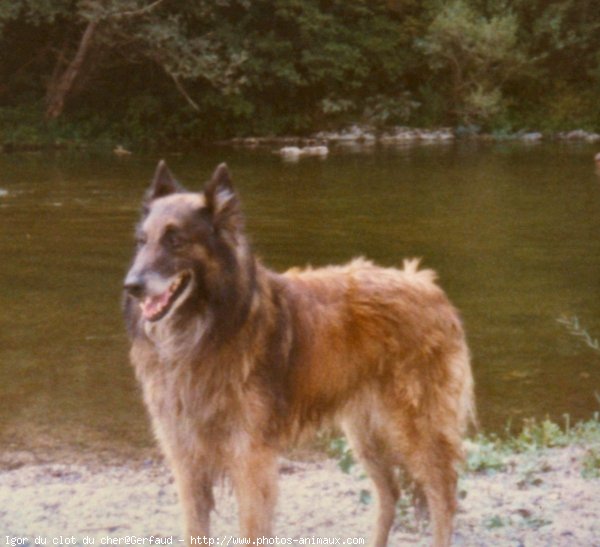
<point x="134" y="286"/>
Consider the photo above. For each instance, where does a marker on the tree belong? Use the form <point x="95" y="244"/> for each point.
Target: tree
<point x="563" y="41"/>
<point x="87" y="37"/>
<point x="62" y="82"/>
<point x="476" y="55"/>
<point x="313" y="62"/>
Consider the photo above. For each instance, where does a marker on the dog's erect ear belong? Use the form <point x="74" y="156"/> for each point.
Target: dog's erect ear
<point x="222" y="201"/>
<point x="221" y="179"/>
<point x="162" y="184"/>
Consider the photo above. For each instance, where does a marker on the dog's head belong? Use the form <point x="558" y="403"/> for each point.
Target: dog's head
<point x="189" y="247"/>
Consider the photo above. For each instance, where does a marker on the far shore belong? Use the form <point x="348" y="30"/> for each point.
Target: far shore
<point x="354" y="135"/>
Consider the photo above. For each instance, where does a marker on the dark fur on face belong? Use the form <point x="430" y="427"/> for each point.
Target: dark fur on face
<point x="198" y="237"/>
<point x="235" y="361"/>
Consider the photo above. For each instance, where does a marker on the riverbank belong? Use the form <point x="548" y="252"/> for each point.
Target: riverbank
<point x="399" y="135"/>
<point x="538" y="488"/>
<point x="356" y="135"/>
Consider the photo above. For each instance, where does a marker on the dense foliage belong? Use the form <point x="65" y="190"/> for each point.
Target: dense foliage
<point x="162" y="70"/>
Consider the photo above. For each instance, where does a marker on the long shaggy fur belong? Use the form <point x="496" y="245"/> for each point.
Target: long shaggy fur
<point x="246" y="360"/>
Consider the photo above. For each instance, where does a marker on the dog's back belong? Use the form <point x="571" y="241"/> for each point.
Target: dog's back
<point x="362" y="325"/>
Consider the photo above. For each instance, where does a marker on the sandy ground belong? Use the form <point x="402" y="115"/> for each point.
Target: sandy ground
<point x="541" y="500"/>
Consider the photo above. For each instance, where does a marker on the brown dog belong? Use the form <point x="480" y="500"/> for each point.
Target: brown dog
<point x="235" y="361"/>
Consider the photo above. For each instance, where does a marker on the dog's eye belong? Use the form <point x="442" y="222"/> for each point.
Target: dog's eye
<point x="173" y="239"/>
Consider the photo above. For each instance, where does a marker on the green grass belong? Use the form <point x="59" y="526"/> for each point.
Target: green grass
<point x="488" y="453"/>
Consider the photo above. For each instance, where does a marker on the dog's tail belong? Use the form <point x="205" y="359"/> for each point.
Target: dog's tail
<point x="411" y="266"/>
<point x="469" y="418"/>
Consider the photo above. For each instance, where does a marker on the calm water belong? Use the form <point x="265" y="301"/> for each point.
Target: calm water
<point x="513" y="231"/>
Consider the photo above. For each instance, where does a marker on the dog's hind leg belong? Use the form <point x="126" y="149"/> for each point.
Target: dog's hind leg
<point x="254" y="477"/>
<point x="371" y="449"/>
<point x="432" y="463"/>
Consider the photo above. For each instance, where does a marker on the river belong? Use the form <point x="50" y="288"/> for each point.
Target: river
<point x="513" y="231"/>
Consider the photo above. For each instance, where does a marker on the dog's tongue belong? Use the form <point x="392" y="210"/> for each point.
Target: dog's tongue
<point x="153" y="305"/>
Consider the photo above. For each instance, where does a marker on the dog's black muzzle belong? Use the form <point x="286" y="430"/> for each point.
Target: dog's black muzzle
<point x="134" y="285"/>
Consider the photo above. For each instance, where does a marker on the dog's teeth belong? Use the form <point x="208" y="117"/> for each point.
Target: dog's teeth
<point x="175" y="286"/>
<point x="154" y="306"/>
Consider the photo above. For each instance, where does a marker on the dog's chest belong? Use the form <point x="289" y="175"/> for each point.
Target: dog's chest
<point x="188" y="406"/>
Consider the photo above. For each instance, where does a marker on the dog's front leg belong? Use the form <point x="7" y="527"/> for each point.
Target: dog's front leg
<point x="194" y="487"/>
<point x="254" y="479"/>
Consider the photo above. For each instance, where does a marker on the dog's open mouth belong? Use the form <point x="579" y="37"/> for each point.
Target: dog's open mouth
<point x="157" y="306"/>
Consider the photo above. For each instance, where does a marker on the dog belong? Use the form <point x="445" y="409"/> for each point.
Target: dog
<point x="237" y="361"/>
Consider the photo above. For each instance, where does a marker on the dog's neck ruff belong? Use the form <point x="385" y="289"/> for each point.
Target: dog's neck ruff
<point x="173" y="342"/>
